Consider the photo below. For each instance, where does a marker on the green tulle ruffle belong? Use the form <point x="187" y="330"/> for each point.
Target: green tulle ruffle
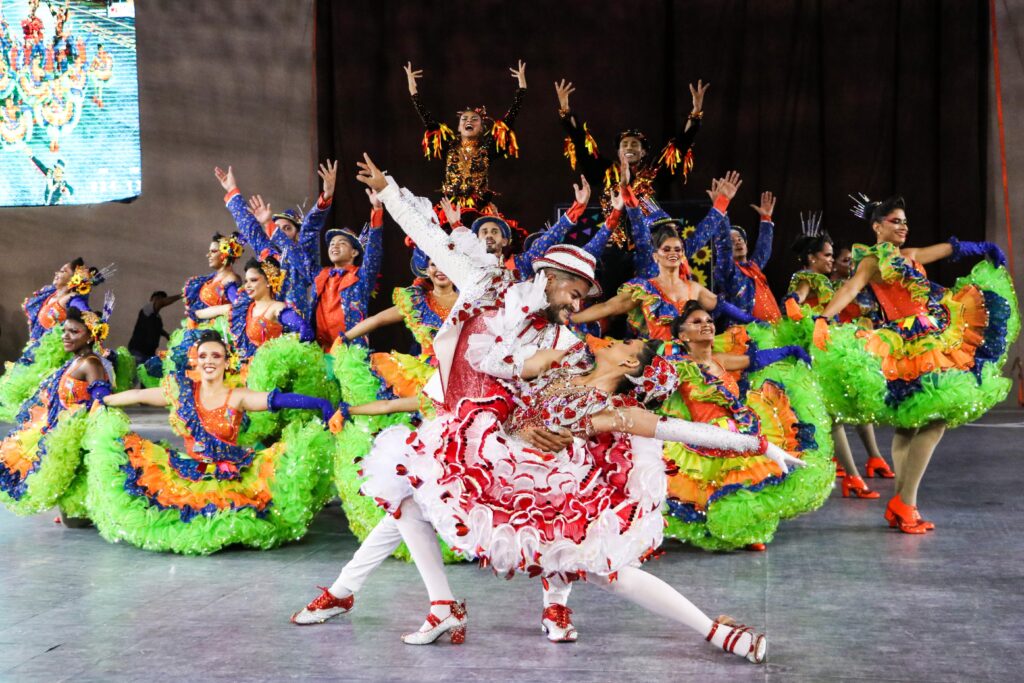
<point x="19" y="382"/>
<point x="299" y="488"/>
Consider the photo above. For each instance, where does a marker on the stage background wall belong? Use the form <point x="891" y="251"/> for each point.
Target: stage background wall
<point x="230" y="82"/>
<point x="226" y="82"/>
<point x="812" y="100"/>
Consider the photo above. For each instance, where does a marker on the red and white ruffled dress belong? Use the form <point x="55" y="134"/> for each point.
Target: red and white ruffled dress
<point x="595" y="507"/>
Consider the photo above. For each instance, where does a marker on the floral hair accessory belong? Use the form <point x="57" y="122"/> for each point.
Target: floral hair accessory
<point x="230" y="246"/>
<point x="658" y="381"/>
<point x="274" y="274"/>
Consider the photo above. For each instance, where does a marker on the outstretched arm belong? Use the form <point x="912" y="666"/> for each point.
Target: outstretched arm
<point x="866" y="270"/>
<point x="556" y="233"/>
<point x="211" y="312"/>
<point x="313" y="222"/>
<point x="389" y="316"/>
<point x="540" y="362"/>
<point x="135" y="397"/>
<point x="581" y="147"/>
<point x="420" y="224"/>
<point x="617" y="305"/>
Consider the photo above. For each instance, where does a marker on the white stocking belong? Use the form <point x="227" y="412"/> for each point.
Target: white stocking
<point x="383" y="540"/>
<point x="654" y="595"/>
<point x="421" y="539"/>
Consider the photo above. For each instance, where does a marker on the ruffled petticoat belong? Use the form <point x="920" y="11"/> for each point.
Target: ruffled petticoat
<point x="592" y="508"/>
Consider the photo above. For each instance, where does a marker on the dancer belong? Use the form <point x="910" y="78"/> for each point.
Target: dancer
<point x="293" y="240"/>
<point x="590" y="511"/>
<point x="496" y="233"/>
<point x="423" y="308"/>
<point x="934" y="362"/>
<point x="653" y="300"/>
<point x="812" y="287"/>
<point x="214" y="493"/>
<point x="564" y="277"/>
<point x="41" y="458"/>
<point x="46" y="309"/>
<point x="727" y="503"/>
<point x="632" y="146"/>
<point x="204" y="291"/>
<point x="739" y="276"/>
<point x="481" y="139"/>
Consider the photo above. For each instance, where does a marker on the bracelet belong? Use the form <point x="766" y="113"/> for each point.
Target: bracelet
<point x="696" y="117"/>
<point x="563" y="112"/>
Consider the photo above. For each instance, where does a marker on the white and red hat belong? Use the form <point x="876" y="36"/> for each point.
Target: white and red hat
<point x="572" y="260"/>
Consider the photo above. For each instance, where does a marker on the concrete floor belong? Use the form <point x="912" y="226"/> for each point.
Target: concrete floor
<point x="841" y="597"/>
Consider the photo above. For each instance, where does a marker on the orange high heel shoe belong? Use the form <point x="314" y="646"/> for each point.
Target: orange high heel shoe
<point x="856" y="487"/>
<point x="840" y="471"/>
<point x="876" y="465"/>
<point x="905" y="517"/>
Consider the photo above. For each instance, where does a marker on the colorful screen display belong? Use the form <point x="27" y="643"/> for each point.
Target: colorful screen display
<point x="69" y="102"/>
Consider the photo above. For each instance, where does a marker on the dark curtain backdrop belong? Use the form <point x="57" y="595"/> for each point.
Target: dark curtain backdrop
<point x="810" y="99"/>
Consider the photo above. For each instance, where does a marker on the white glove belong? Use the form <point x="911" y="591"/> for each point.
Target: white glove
<point x="704" y="435"/>
<point x="783" y="459"/>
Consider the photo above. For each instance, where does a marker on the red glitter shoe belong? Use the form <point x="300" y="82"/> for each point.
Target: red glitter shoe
<point x="905" y="517"/>
<point x="556" y="622"/>
<point x="856" y="487"/>
<point x="325" y="606"/>
<point x="840" y="471"/>
<point x="756" y="653"/>
<point x="435" y="627"/>
<point x="877" y="466"/>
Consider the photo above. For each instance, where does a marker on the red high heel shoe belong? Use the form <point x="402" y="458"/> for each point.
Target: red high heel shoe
<point x="840" y="471"/>
<point x="905" y="517"/>
<point x="876" y="465"/>
<point x="454" y="625"/>
<point x="856" y="487"/>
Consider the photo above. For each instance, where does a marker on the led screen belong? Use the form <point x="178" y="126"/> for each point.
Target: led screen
<point x="69" y="102"/>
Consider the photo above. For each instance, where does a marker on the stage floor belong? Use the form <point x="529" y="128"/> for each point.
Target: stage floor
<point x="841" y="597"/>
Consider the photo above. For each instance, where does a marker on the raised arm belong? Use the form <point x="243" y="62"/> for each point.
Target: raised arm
<point x="416" y="218"/>
<point x="580" y="146"/>
<point x="765" y="230"/>
<point x="313" y="222"/>
<point x="248" y="225"/>
<point x="517" y="100"/>
<point x="411" y="76"/>
<point x="369" y="268"/>
<point x="597" y="244"/>
<point x="556" y="233"/>
<point x="678" y="150"/>
<point x="389" y="316"/>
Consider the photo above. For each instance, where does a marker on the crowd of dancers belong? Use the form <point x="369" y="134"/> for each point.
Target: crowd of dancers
<point x="515" y="432"/>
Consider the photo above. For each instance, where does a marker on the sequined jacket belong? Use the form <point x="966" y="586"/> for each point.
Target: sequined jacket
<point x="738" y="287"/>
<point x="467" y="166"/>
<point x="299" y="257"/>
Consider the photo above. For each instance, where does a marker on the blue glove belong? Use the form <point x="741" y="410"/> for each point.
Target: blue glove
<point x="764" y="358"/>
<point x="989" y="250"/>
<point x="100" y="389"/>
<point x="725" y="308"/>
<point x="279" y="400"/>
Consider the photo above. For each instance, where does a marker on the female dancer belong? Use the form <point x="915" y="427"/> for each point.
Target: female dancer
<point x="204" y="291"/>
<point x="467" y="158"/>
<point x="215" y="492"/>
<point x="812" y="287"/>
<point x="726" y="503"/>
<point x="652" y="300"/>
<point x="256" y="314"/>
<point x="46" y="309"/>
<point x="591" y="511"/>
<point x="934" y="361"/>
<point x="423" y="308"/>
<point x="40" y="460"/>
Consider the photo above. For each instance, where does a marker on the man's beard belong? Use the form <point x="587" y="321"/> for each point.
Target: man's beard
<point x="553" y="310"/>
